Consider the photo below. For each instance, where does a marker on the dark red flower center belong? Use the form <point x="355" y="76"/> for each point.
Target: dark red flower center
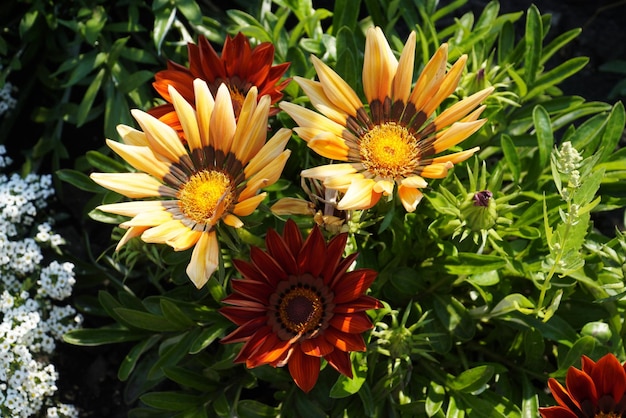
<point x="301" y="307"/>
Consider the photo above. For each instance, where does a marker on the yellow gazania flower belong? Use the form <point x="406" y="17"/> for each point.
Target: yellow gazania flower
<point x="215" y="176"/>
<point x="394" y="142"/>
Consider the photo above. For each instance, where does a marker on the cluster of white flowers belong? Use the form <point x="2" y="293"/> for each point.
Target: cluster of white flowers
<point x="32" y="319"/>
<point x="7" y="102"/>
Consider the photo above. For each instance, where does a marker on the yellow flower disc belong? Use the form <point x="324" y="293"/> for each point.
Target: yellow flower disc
<point x="200" y="196"/>
<point x="389" y="151"/>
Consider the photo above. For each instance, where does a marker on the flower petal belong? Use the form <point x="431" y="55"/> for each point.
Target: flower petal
<point x="353" y="284"/>
<point x="304" y="369"/>
<point x="336" y="89"/>
<point x="133" y="185"/>
<point x="351" y="323"/>
<point x="223" y="124"/>
<point x="340" y="361"/>
<point x="204" y="259"/>
<point x="316" y="347"/>
<point x="344" y="341"/>
<point x="360" y="195"/>
<point x="410" y="197"/>
<point x="379" y="66"/>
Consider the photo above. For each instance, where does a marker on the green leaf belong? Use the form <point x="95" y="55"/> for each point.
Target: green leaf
<point x="345" y="14"/>
<point x="533" y="39"/>
<point x="171" y="352"/>
<point x="253" y="409"/>
<point x="79" y="180"/>
<point x="471" y="380"/>
<point x="172" y="313"/>
<point x="134" y="81"/>
<point x="583" y="345"/>
<point x="163" y="20"/>
<point x="530" y="399"/>
<point x="345" y="386"/>
<point x="207" y="336"/>
<point x="130" y="361"/>
<point x="100" y="336"/>
<point x="511" y="156"/>
<point x="558" y="43"/>
<point x="172" y="401"/>
<point x="471" y="263"/>
<point x="613" y="132"/>
<point x="434" y="398"/>
<point x="545" y="136"/>
<point x="105" y="163"/>
<point x="147" y="321"/>
<point x="511" y="303"/>
<point x="556" y="75"/>
<point x="191" y="10"/>
<point x="189" y="378"/>
<point x="89" y="98"/>
<point x="454" y="317"/>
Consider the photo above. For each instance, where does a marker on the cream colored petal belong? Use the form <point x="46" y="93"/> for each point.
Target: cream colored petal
<point x="437" y="170"/>
<point x="152" y="218"/>
<point x="336" y="89"/>
<point x="447" y="87"/>
<point x="185" y="240"/>
<point x="320" y="101"/>
<point x="133" y="185"/>
<point x="384" y="186"/>
<point x="164" y="232"/>
<point x="293" y="206"/>
<point x="204" y="109"/>
<point x="223" y="123"/>
<point x="474" y="115"/>
<point x="430" y="78"/>
<point x="457" y="157"/>
<point x="187" y="117"/>
<point x="409" y="197"/>
<point x="379" y="66"/>
<point x="204" y="259"/>
<point x="163" y="139"/>
<point x="249" y="205"/>
<point x="251" y="132"/>
<point x="268" y="153"/>
<point x="414" y="182"/>
<point x="130" y="234"/>
<point x="132" y="136"/>
<point x="232" y="220"/>
<point x="360" y="195"/>
<point x="132" y="208"/>
<point x="329" y="146"/>
<point x="461" y="108"/>
<point x="401" y="87"/>
<point x="140" y="157"/>
<point x="456" y="133"/>
<point x="341" y="183"/>
<point x="308" y="118"/>
<point x="330" y="170"/>
<point x="267" y="176"/>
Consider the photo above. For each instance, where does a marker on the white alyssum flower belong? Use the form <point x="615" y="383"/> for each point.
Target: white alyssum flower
<point x="32" y="316"/>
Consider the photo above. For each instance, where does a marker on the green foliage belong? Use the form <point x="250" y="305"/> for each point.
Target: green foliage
<point x="481" y="306"/>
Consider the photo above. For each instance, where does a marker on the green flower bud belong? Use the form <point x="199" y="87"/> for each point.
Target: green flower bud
<point x="479" y="211"/>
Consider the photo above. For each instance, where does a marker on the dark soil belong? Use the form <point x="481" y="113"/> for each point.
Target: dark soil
<point x="88" y="375"/>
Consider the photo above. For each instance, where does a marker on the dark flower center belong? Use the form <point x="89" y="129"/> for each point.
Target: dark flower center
<point x="300" y="308"/>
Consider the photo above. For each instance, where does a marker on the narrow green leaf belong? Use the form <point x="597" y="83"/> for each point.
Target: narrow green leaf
<point x="190" y="378"/>
<point x="345" y="14"/>
<point x="434" y="398"/>
<point x="454" y="317"/>
<point x="79" y="180"/>
<point x="345" y="386"/>
<point x="584" y="345"/>
<point x="556" y="75"/>
<point x="511" y="303"/>
<point x="511" y="156"/>
<point x="253" y="409"/>
<point x="89" y="98"/>
<point x="172" y="401"/>
<point x="105" y="163"/>
<point x="171" y="352"/>
<point x="558" y="43"/>
<point x="471" y="263"/>
<point x="545" y="136"/>
<point x="101" y="336"/>
<point x="530" y="400"/>
<point x="614" y="131"/>
<point x="207" y="336"/>
<point x="147" y="321"/>
<point x="130" y="361"/>
<point x="533" y="39"/>
<point x="163" y="20"/>
<point x="191" y="10"/>
<point x="471" y="380"/>
<point x="172" y="313"/>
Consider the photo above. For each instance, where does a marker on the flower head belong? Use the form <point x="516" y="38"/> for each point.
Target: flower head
<point x="296" y="304"/>
<point x="596" y="391"/>
<point x="395" y="141"/>
<point x="240" y="68"/>
<point x="215" y="176"/>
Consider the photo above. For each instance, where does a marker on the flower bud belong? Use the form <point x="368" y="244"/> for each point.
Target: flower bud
<point x="479" y="211"/>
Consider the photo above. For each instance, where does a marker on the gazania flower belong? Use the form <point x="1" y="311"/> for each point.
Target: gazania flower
<point x="185" y="190"/>
<point x="240" y="68"/>
<point x="596" y="391"/>
<point x="394" y="138"/>
<point x="296" y="304"/>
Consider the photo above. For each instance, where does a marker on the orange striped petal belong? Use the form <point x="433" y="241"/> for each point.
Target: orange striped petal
<point x="231" y="220"/>
<point x="456" y="133"/>
<point x="383" y="186"/>
<point x="308" y="118"/>
<point x="140" y="157"/>
<point x="430" y="78"/>
<point x="163" y="139"/>
<point x="132" y="136"/>
<point x="185" y="240"/>
<point x="351" y="323"/>
<point x="304" y="369"/>
<point x="410" y="197"/>
<point x="340" y="361"/>
<point x="317" y="347"/>
<point x="204" y="109"/>
<point x="360" y="195"/>
<point x="269" y="152"/>
<point x="328" y="145"/>
<point x="353" y="284"/>
<point x="315" y="91"/>
<point x="447" y="87"/>
<point x="132" y="208"/>
<point x="330" y="170"/>
<point x="187" y="117"/>
<point x="164" y="231"/>
<point x="223" y="124"/>
<point x="148" y="218"/>
<point x="132" y="232"/>
<point x="344" y="341"/>
<point x="379" y="66"/>
<point x="460" y="109"/>
<point x="249" y="205"/>
<point x="455" y="158"/>
<point x="401" y="87"/>
<point x="437" y="170"/>
<point x="336" y="89"/>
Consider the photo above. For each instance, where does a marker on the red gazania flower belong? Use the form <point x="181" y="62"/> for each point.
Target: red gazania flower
<point x="296" y="304"/>
<point x="596" y="391"/>
<point x="240" y="67"/>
